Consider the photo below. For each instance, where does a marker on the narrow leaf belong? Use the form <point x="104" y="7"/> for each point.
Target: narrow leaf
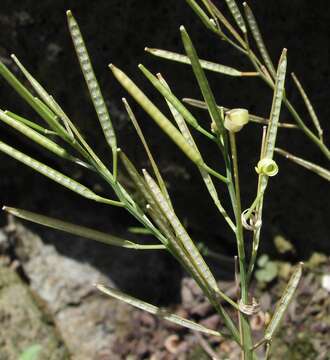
<point x="284" y="302"/>
<point x="309" y="106"/>
<point x="155" y="310"/>
<point x="156" y="115"/>
<point x="92" y="84"/>
<point x="306" y="164"/>
<point x="258" y="39"/>
<point x="78" y="230"/>
<point x="236" y="15"/>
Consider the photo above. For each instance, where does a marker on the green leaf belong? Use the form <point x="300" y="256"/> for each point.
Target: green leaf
<point x="78" y="230"/>
<point x="267" y="273"/>
<point x="31" y="353"/>
<point x="161" y="313"/>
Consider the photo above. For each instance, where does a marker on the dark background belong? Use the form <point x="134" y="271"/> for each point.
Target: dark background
<point x="297" y="205"/>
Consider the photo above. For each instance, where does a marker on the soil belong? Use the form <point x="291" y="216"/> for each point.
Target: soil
<point x="49" y="300"/>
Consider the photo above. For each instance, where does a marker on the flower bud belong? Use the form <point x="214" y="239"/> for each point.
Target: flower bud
<point x="267" y="167"/>
<point x="235" y="119"/>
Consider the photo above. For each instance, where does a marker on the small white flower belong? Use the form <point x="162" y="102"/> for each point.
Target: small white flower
<point x="235" y="119"/>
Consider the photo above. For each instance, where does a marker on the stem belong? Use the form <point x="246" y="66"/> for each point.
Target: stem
<point x="292" y="111"/>
<point x="214" y="173"/>
<point x="245" y="326"/>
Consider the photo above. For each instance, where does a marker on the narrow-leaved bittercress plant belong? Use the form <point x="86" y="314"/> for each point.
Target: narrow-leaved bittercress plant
<point x="153" y="208"/>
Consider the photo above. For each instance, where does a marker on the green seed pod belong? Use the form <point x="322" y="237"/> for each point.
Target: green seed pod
<point x="235" y="119"/>
<point x="267" y="167"/>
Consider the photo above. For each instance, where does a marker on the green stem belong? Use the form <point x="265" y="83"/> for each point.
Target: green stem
<point x="214" y="173"/>
<point x="292" y="110"/>
<point x="244" y="321"/>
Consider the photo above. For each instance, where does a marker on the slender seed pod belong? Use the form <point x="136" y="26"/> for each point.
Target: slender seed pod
<point x="237" y="15"/>
<point x="276" y="106"/>
<point x="319" y="170"/>
<point x="30" y="123"/>
<point x="201" y="79"/>
<point x="78" y="230"/>
<point x="284" y="302"/>
<point x="163" y="314"/>
<point x="35" y="136"/>
<point x="258" y="38"/>
<point x="206" y="65"/>
<point x="34" y="102"/>
<point x="93" y="85"/>
<point x="309" y="106"/>
<point x="157" y="115"/>
<point x="202" y="15"/>
<point x="186" y="242"/>
<point x="54" y="175"/>
<point x="169" y="96"/>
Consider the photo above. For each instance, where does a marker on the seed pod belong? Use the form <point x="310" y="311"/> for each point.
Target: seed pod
<point x="267" y="167"/>
<point x="235" y="119"/>
<point x="161" y="120"/>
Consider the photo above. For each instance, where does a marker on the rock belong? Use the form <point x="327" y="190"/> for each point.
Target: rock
<point x="87" y="320"/>
<point x="24" y="323"/>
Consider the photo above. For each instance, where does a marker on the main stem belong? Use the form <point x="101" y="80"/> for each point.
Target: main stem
<point x="244" y="321"/>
